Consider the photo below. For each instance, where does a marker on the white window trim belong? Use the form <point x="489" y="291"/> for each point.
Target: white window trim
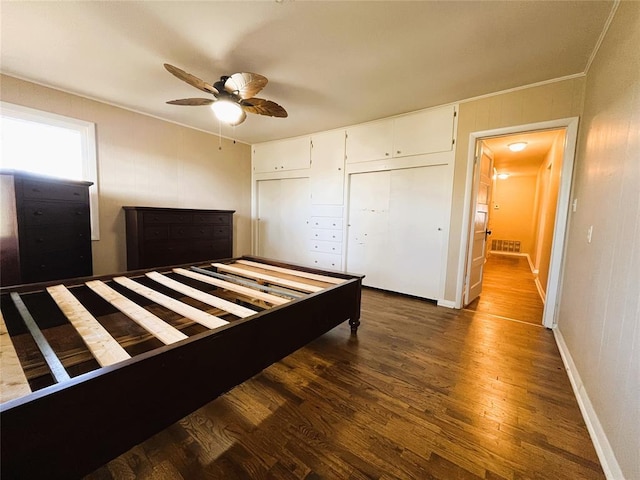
<point x="87" y="132"/>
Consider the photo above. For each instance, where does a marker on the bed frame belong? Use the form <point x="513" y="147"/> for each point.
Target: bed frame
<point x="114" y="360"/>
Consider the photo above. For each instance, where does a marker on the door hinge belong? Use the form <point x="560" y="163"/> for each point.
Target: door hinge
<point x="455" y="114"/>
<point x="453" y="141"/>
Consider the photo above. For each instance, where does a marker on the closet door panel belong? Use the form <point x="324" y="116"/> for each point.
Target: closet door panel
<point x="368" y="226"/>
<point x="397" y="223"/>
<point x="283" y="214"/>
<point x="416" y="224"/>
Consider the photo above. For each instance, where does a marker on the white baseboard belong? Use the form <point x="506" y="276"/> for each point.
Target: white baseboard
<point x="600" y="441"/>
<point x="543" y="296"/>
<point x="446" y="303"/>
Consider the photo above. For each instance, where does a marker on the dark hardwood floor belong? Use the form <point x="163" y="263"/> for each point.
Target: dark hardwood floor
<point x="509" y="290"/>
<point x="422" y="392"/>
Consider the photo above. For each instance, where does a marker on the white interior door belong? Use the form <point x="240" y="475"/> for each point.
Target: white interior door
<point x="284" y="207"/>
<point x="397" y="225"/>
<point x="482" y="173"/>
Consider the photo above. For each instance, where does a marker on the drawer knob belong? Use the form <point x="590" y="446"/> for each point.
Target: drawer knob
<point x="38" y="212"/>
<point x="40" y="240"/>
<point x="43" y="266"/>
<point x="79" y="212"/>
<point x="77" y="194"/>
<point x="37" y="190"/>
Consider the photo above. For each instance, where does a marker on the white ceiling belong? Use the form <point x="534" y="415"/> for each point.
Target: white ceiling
<point x="330" y="64"/>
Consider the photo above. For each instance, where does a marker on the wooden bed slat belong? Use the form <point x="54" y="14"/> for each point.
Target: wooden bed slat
<point x="53" y="362"/>
<point x="13" y="383"/>
<point x="226" y="305"/>
<point x="297" y="273"/>
<point x="286" y="292"/>
<point x="143" y="317"/>
<point x="99" y="341"/>
<point x="250" y="292"/>
<point x="187" y="311"/>
<point x="305" y="287"/>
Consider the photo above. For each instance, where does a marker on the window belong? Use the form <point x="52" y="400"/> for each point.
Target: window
<point x="49" y="144"/>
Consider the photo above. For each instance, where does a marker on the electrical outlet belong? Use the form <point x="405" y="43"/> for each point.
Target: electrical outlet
<point x="589" y="233"/>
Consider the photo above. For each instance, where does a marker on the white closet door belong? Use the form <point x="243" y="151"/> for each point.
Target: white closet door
<point x="396" y="229"/>
<point x="284" y="207"/>
<point x="368" y="230"/>
<point x="417" y="205"/>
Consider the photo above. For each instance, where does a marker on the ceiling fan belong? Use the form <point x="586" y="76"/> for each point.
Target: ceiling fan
<point x="233" y="96"/>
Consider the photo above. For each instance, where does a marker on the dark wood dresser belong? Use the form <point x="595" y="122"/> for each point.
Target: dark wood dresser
<point x="45" y="228"/>
<point x="170" y="236"/>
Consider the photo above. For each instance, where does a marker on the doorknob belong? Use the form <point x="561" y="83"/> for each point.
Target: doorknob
<point x="487" y="233"/>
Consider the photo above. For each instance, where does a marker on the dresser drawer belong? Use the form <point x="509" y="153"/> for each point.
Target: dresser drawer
<point x="186" y="232"/>
<point x="328" y="235"/>
<point x="326" y="260"/>
<point x="212" y="218"/>
<point x="58" y="264"/>
<point x="155" y="232"/>
<point x="54" y="191"/>
<point x="55" y="213"/>
<point x="176" y="252"/>
<point x="167" y="217"/>
<point x="327" y="247"/>
<point x="331" y="223"/>
<point x="50" y="239"/>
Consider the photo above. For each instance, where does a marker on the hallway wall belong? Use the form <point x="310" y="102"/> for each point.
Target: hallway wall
<point x="599" y="318"/>
<point x="514" y="217"/>
<point x="548" y="184"/>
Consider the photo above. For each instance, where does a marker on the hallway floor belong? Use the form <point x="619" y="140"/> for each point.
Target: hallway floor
<point x="509" y="290"/>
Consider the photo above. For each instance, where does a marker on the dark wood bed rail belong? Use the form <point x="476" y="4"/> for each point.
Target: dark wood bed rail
<point x="69" y="429"/>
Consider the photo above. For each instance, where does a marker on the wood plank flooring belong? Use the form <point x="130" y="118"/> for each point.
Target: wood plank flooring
<point x="422" y="392"/>
<point x="509" y="290"/>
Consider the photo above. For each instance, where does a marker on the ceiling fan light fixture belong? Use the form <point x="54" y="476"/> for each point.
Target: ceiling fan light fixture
<point x="227" y="111"/>
<point x="503" y="176"/>
<point x="517" y="146"/>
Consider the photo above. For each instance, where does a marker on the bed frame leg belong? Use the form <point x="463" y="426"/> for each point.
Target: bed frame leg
<point x="354" y="323"/>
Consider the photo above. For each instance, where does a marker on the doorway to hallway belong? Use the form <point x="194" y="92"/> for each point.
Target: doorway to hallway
<point x="509" y="290"/>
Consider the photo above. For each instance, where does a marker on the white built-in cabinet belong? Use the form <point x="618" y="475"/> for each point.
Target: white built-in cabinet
<point x="372" y="199"/>
<point x="424" y="132"/>
<point x="290" y="154"/>
<point x="327" y="168"/>
<point x="398" y="223"/>
<point x="284" y="209"/>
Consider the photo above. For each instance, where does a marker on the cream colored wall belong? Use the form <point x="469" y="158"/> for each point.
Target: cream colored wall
<point x="149" y="162"/>
<point x="561" y="99"/>
<point x="600" y="304"/>
<point x="548" y="184"/>
<point x="513" y="220"/>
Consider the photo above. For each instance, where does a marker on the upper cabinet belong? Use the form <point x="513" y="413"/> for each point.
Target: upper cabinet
<point x="370" y="141"/>
<point x="327" y="168"/>
<point x="290" y="154"/>
<point x="427" y="131"/>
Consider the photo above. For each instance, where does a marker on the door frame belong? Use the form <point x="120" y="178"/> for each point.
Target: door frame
<point x="556" y="262"/>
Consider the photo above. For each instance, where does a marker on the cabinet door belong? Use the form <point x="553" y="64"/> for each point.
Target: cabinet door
<point x="371" y="141"/>
<point x="397" y="226"/>
<point x="368" y="234"/>
<point x="428" y="131"/>
<point x="291" y="154"/>
<point x="283" y="215"/>
<point x="327" y="168"/>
